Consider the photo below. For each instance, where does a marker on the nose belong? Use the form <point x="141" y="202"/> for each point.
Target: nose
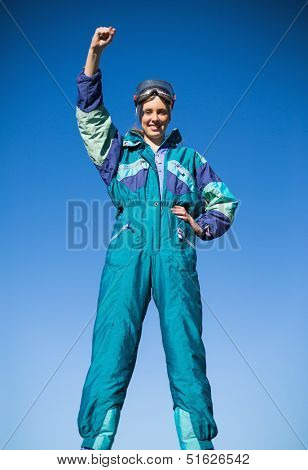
<point x="155" y="117"/>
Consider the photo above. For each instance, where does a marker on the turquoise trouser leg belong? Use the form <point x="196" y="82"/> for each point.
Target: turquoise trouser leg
<point x="122" y="304"/>
<point x="176" y="292"/>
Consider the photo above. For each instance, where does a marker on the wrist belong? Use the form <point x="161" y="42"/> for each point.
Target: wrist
<point x="198" y="231"/>
<point x="92" y="62"/>
<point x="96" y="50"/>
<point x="196" y="228"/>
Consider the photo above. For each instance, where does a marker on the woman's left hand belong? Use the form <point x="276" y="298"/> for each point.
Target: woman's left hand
<point x="181" y="212"/>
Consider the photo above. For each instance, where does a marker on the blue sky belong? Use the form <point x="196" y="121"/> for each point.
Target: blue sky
<point x="253" y="280"/>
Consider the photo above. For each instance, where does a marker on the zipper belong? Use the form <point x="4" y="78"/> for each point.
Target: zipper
<point x="180" y="169"/>
<point x="183" y="170"/>
<point x="125" y="227"/>
<point x="205" y="227"/>
<point x="142" y="163"/>
<point x="161" y="190"/>
<point x="165" y="172"/>
<point x="182" y="237"/>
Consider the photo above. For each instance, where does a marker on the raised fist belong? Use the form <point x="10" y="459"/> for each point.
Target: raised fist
<point x="102" y="37"/>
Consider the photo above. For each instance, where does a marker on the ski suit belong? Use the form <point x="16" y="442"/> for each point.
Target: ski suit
<point x="151" y="252"/>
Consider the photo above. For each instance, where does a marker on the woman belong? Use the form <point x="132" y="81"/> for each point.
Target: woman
<point x="159" y="188"/>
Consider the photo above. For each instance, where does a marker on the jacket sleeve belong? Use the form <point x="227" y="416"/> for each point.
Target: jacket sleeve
<point x="218" y="203"/>
<point x="101" y="138"/>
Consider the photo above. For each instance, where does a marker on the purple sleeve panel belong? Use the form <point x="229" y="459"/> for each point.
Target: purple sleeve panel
<point x="213" y="223"/>
<point x="205" y="175"/>
<point x="90" y="94"/>
<point x="109" y="168"/>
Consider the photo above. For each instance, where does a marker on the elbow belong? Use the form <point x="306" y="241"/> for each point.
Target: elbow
<point x="214" y="224"/>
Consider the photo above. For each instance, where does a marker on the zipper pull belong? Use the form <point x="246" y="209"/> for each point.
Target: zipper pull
<point x="130" y="227"/>
<point x="179" y="169"/>
<point x="181" y="234"/>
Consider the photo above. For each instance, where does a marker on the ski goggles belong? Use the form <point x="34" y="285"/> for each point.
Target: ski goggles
<point x="153" y="91"/>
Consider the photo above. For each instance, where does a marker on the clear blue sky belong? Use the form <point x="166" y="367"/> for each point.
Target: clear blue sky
<point x="255" y="327"/>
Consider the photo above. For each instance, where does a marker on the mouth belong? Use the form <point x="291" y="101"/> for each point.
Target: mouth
<point x="154" y="128"/>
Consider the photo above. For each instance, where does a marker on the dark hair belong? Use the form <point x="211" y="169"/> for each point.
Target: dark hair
<point x="136" y="129"/>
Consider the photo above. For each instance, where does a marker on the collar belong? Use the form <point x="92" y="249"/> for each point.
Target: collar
<point x="134" y="138"/>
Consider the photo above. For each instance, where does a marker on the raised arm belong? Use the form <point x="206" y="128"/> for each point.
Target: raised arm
<point x="101" y="138"/>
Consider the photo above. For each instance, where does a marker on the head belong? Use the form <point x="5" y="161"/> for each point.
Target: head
<point x="154" y="100"/>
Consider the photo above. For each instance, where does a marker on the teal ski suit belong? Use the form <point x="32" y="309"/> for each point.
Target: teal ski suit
<point x="151" y="252"/>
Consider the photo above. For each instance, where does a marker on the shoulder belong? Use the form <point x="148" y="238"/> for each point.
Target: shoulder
<point x="191" y="154"/>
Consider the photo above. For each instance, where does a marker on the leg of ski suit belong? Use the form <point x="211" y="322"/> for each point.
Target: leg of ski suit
<point x="177" y="295"/>
<point x="132" y="268"/>
<point x="123" y="300"/>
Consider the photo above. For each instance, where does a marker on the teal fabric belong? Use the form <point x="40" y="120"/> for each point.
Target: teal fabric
<point x="105" y="438"/>
<point x="131" y="169"/>
<point x="180" y="172"/>
<point x="187" y="437"/>
<point x="151" y="253"/>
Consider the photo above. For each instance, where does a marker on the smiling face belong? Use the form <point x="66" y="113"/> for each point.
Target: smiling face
<point x="155" y="119"/>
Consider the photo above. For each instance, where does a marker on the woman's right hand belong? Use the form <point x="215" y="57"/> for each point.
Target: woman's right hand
<point x="102" y="37"/>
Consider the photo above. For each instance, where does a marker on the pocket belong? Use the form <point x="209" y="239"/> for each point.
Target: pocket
<point x="120" y="246"/>
<point x="186" y="257"/>
<point x="183" y="238"/>
<point x="185" y="234"/>
<point x="179" y="180"/>
<point x="185" y="264"/>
